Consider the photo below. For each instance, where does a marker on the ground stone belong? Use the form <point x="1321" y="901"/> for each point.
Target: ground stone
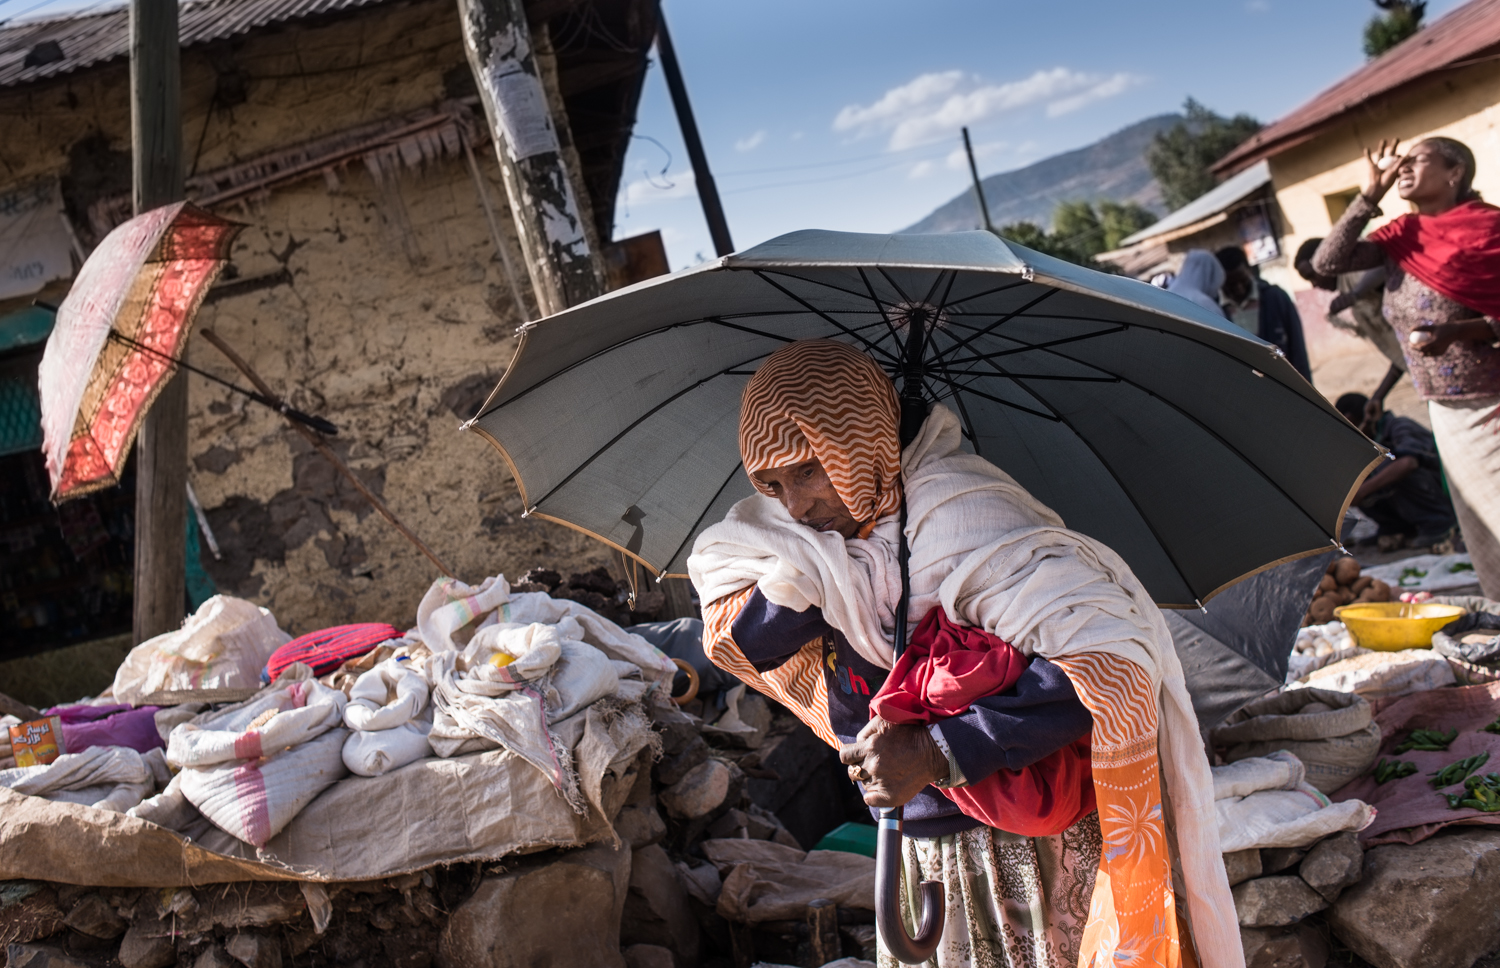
<point x="1274" y="860"/>
<point x="640" y="825"/>
<point x="701" y="790"/>
<point x="1269" y="902"/>
<point x="648" y="956"/>
<point x="674" y="766"/>
<point x="1334" y="864"/>
<point x="1241" y="865"/>
<point x="214" y="957"/>
<point x="147" y="945"/>
<point x="1296" y="947"/>
<point x="254" y="950"/>
<point x="656" y="910"/>
<point x="561" y="909"/>
<point x="93" y="916"/>
<point x="1424" y="905"/>
<point x="39" y="956"/>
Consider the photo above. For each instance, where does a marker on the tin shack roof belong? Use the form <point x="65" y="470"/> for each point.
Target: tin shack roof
<point x="1467" y="35"/>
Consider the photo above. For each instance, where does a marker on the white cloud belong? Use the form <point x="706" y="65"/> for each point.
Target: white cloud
<point x="660" y="188"/>
<point x="1106" y="88"/>
<point x="934" y="106"/>
<point x="921" y="169"/>
<point x="750" y="143"/>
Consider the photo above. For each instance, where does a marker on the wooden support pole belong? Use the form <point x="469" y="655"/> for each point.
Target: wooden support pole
<point x="161" y="445"/>
<point x="313" y="438"/>
<point x="703" y="179"/>
<point x="823" y="931"/>
<point x="564" y="269"/>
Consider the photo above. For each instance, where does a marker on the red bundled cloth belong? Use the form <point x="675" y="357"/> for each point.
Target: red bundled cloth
<point x="1456" y="253"/>
<point x="944" y="669"/>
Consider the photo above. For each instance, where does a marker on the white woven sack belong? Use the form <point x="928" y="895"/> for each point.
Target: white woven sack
<point x="1382" y="675"/>
<point x="254" y="799"/>
<point x="389" y="695"/>
<point x="303" y="708"/>
<point x="223" y="645"/>
<point x="374" y="753"/>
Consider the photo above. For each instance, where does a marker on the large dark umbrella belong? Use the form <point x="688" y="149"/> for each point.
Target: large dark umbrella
<point x="1193" y="449"/>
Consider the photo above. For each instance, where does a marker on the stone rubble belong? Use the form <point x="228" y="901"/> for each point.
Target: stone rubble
<point x="648" y="902"/>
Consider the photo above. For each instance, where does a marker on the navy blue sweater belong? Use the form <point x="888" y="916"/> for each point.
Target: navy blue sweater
<point x="1037" y="716"/>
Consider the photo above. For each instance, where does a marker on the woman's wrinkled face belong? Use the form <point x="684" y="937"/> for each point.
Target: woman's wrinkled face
<point x="808" y="496"/>
<point x="1426" y="176"/>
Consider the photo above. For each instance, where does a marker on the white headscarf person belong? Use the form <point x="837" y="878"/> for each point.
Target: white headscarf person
<point x="1200" y="279"/>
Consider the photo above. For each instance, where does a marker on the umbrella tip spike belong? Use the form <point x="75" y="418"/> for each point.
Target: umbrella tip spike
<point x="1201" y="607"/>
<point x="467" y="425"/>
<point x="1257" y="372"/>
<point x="527" y="513"/>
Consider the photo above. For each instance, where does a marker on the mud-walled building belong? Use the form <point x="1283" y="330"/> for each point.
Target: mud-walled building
<point x="378" y="283"/>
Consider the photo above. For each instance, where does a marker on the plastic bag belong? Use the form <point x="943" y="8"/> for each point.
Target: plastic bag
<point x="223" y="645"/>
<point x="381" y="751"/>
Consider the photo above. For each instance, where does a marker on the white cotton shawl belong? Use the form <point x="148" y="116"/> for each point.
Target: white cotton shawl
<point x="996" y="558"/>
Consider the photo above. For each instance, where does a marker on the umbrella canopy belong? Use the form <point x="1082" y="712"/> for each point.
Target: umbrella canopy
<point x="1191" y="448"/>
<point x="119" y="332"/>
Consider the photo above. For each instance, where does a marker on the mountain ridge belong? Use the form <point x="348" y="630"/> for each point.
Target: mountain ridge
<point x="1112" y="168"/>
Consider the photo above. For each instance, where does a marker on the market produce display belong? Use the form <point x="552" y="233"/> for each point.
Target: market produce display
<point x="1393" y="770"/>
<point x="1454" y="772"/>
<point x="1343" y="584"/>
<point x="1427" y="740"/>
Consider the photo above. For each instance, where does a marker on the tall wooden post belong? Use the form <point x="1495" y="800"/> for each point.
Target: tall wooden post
<point x="564" y="271"/>
<point x="703" y="178"/>
<point x="161" y="446"/>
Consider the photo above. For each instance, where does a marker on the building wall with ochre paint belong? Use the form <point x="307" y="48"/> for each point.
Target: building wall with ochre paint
<point x="386" y="310"/>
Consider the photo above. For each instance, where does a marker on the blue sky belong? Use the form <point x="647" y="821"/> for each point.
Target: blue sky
<point x="845" y="114"/>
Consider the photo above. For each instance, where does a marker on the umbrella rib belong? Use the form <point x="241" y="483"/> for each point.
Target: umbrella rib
<point x="1026" y="347"/>
<point x="959" y="388"/>
<point x="737" y="468"/>
<point x="633" y="424"/>
<point x="960" y="344"/>
<point x="990" y="292"/>
<point x="815" y="282"/>
<point x="876" y="300"/>
<point x="873" y="347"/>
<point x="894" y="284"/>
<point x="963" y="411"/>
<point x="1126" y="491"/>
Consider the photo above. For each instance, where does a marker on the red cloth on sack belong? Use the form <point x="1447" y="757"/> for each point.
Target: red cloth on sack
<point x="1456" y="253"/>
<point x="945" y="668"/>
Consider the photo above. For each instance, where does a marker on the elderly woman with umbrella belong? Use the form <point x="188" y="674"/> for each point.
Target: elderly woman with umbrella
<point x="738" y="422"/>
<point x="1442" y="297"/>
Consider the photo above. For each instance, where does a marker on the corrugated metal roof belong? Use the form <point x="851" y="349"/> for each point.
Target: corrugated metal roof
<point x="1209" y="203"/>
<point x="1466" y="33"/>
<point x="94" y="38"/>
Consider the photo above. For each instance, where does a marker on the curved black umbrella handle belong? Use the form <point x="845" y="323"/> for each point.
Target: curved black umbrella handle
<point x="905" y="948"/>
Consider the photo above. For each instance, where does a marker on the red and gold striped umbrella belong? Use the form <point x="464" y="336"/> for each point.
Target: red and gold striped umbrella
<point x="118" y="334"/>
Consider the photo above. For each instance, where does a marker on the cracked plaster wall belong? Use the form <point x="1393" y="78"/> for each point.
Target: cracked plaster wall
<point x="397" y="311"/>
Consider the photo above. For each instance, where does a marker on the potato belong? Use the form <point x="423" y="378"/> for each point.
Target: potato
<point x="1368" y="595"/>
<point x="1361" y="583"/>
<point x="1332" y="565"/>
<point x="1322" y="609"/>
<point x="1327" y="584"/>
<point x="1382" y="591"/>
<point x="1345" y="571"/>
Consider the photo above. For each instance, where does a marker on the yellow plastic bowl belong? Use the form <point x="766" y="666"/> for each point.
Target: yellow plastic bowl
<point x="1393" y="626"/>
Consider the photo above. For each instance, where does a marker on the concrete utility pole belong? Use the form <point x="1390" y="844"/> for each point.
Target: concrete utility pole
<point x="564" y="272"/>
<point x="161" y="446"/>
<point x="703" y="179"/>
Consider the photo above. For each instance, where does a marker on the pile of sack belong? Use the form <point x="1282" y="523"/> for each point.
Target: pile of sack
<point x="483" y="669"/>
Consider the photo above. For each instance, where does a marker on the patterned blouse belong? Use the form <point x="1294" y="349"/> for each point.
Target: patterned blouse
<point x="1467" y="369"/>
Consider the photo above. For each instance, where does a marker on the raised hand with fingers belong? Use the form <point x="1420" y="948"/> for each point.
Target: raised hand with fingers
<point x="1384" y="164"/>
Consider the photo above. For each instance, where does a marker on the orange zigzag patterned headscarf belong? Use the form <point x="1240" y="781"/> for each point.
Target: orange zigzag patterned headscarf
<point x="822" y="398"/>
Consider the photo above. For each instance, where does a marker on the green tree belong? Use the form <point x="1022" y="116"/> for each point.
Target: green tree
<point x="1033" y="236"/>
<point x="1180" y="156"/>
<point x="1401" y="19"/>
<point x="1086" y="230"/>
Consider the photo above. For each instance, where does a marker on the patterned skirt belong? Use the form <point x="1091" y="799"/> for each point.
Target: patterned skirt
<point x="1012" y="901"/>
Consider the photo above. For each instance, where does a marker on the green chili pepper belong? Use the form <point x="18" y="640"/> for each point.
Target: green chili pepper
<point x="1427" y="740"/>
<point x="1454" y="772"/>
<point x="1493" y="727"/>
<point x="1393" y="770"/>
